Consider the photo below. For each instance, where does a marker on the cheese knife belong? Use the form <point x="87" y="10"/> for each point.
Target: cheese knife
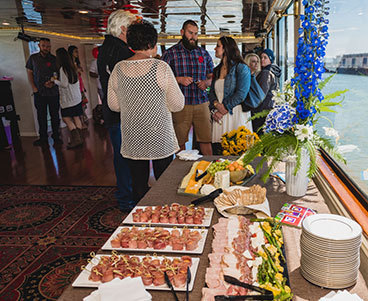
<point x="209" y="197"/>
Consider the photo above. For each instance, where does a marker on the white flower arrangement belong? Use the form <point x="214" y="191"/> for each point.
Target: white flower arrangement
<point x="303" y="132"/>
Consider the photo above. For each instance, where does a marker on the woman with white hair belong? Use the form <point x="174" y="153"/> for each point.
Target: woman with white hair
<point x="113" y="50"/>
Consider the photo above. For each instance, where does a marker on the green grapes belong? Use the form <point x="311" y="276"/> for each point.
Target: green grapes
<point x="217" y="166"/>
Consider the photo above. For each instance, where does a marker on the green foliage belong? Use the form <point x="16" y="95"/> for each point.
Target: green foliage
<point x="261" y="114"/>
<point x="275" y="147"/>
<point x="323" y="83"/>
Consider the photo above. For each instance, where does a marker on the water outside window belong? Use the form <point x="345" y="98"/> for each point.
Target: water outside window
<point x="346" y="53"/>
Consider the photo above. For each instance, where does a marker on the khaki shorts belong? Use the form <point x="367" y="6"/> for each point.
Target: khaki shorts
<point x="199" y="117"/>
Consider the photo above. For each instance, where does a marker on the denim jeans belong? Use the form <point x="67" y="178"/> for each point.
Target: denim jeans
<point x="122" y="171"/>
<point x="41" y="104"/>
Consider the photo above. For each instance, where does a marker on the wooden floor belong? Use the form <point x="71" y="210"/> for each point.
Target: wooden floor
<point x="88" y="165"/>
<point x="91" y="164"/>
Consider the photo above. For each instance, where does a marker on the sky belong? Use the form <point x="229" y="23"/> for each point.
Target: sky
<point x="348" y="27"/>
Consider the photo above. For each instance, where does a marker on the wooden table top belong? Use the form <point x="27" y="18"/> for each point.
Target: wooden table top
<point x="165" y="192"/>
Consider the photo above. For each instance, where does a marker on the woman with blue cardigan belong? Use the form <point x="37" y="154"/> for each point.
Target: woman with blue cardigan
<point x="230" y="85"/>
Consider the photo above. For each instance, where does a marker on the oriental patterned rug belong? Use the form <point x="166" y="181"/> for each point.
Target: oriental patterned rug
<point x="46" y="235"/>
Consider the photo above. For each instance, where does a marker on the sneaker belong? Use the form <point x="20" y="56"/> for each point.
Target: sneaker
<point x="40" y="142"/>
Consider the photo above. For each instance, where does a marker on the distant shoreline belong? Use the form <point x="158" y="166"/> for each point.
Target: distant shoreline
<point x="351" y="71"/>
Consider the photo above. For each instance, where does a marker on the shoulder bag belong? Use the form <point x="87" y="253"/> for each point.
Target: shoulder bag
<point x="255" y="96"/>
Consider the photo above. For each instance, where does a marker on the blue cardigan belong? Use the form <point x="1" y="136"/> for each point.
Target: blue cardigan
<point x="236" y="86"/>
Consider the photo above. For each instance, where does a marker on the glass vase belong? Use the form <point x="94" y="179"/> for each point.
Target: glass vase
<point x="296" y="185"/>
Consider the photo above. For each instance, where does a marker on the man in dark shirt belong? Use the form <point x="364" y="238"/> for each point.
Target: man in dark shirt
<point x="113" y="50"/>
<point x="41" y="67"/>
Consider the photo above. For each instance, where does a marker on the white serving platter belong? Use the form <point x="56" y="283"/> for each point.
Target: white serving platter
<point x="199" y="250"/>
<point x="206" y="220"/>
<point x="83" y="281"/>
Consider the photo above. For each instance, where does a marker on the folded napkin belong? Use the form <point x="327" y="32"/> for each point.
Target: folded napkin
<point x="341" y="296"/>
<point x="189" y="155"/>
<point x="127" y="289"/>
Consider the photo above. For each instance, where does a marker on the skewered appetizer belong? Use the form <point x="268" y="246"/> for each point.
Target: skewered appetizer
<point x="151" y="269"/>
<point x="157" y="238"/>
<point x="174" y="214"/>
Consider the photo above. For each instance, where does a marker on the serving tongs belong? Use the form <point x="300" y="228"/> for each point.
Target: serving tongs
<point x="209" y="197"/>
<point x="264" y="294"/>
<point x="168" y="282"/>
<point x="189" y="278"/>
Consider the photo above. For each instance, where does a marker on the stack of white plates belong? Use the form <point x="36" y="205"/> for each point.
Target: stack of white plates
<point x="330" y="247"/>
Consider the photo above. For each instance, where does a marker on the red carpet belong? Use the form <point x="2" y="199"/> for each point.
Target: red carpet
<point x="47" y="233"/>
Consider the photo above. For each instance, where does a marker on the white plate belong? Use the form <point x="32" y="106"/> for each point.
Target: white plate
<point x="83" y="281"/>
<point x="329" y="251"/>
<point x="208" y="212"/>
<point x="328" y="243"/>
<point x="168" y="249"/>
<point x="333" y="284"/>
<point x="323" y="242"/>
<point x="331" y="226"/>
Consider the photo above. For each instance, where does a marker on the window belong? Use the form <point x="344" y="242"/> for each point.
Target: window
<point x="289" y="70"/>
<point x="269" y="41"/>
<point x="348" y="23"/>
<point x="280" y="48"/>
<point x="364" y="61"/>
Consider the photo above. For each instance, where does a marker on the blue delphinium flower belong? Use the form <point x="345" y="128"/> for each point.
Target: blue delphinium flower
<point x="309" y="65"/>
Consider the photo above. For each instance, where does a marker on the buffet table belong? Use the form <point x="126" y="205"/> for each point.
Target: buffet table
<point x="165" y="192"/>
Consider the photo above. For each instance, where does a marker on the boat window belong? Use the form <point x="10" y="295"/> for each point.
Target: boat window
<point x="280" y="48"/>
<point x="347" y="54"/>
<point x="269" y="41"/>
<point x="289" y="70"/>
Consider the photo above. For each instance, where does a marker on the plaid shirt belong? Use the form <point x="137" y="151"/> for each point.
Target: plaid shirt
<point x="195" y="63"/>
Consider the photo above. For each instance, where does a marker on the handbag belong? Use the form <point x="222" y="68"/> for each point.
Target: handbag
<point x="255" y="96"/>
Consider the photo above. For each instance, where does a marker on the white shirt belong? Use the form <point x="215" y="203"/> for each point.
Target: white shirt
<point x="145" y="92"/>
<point x="228" y="122"/>
<point x="70" y="94"/>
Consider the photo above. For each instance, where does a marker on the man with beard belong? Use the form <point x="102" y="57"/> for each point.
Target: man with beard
<point x="192" y="67"/>
<point x="113" y="50"/>
<point x="41" y="67"/>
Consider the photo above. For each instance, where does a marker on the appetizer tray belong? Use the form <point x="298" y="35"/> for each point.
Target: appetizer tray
<point x="168" y="249"/>
<point x="232" y="201"/>
<point x="205" y="223"/>
<point x="83" y="278"/>
<point x="181" y="191"/>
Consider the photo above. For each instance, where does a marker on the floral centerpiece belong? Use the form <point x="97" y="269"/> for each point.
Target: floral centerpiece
<point x="289" y="127"/>
<point x="236" y="142"/>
